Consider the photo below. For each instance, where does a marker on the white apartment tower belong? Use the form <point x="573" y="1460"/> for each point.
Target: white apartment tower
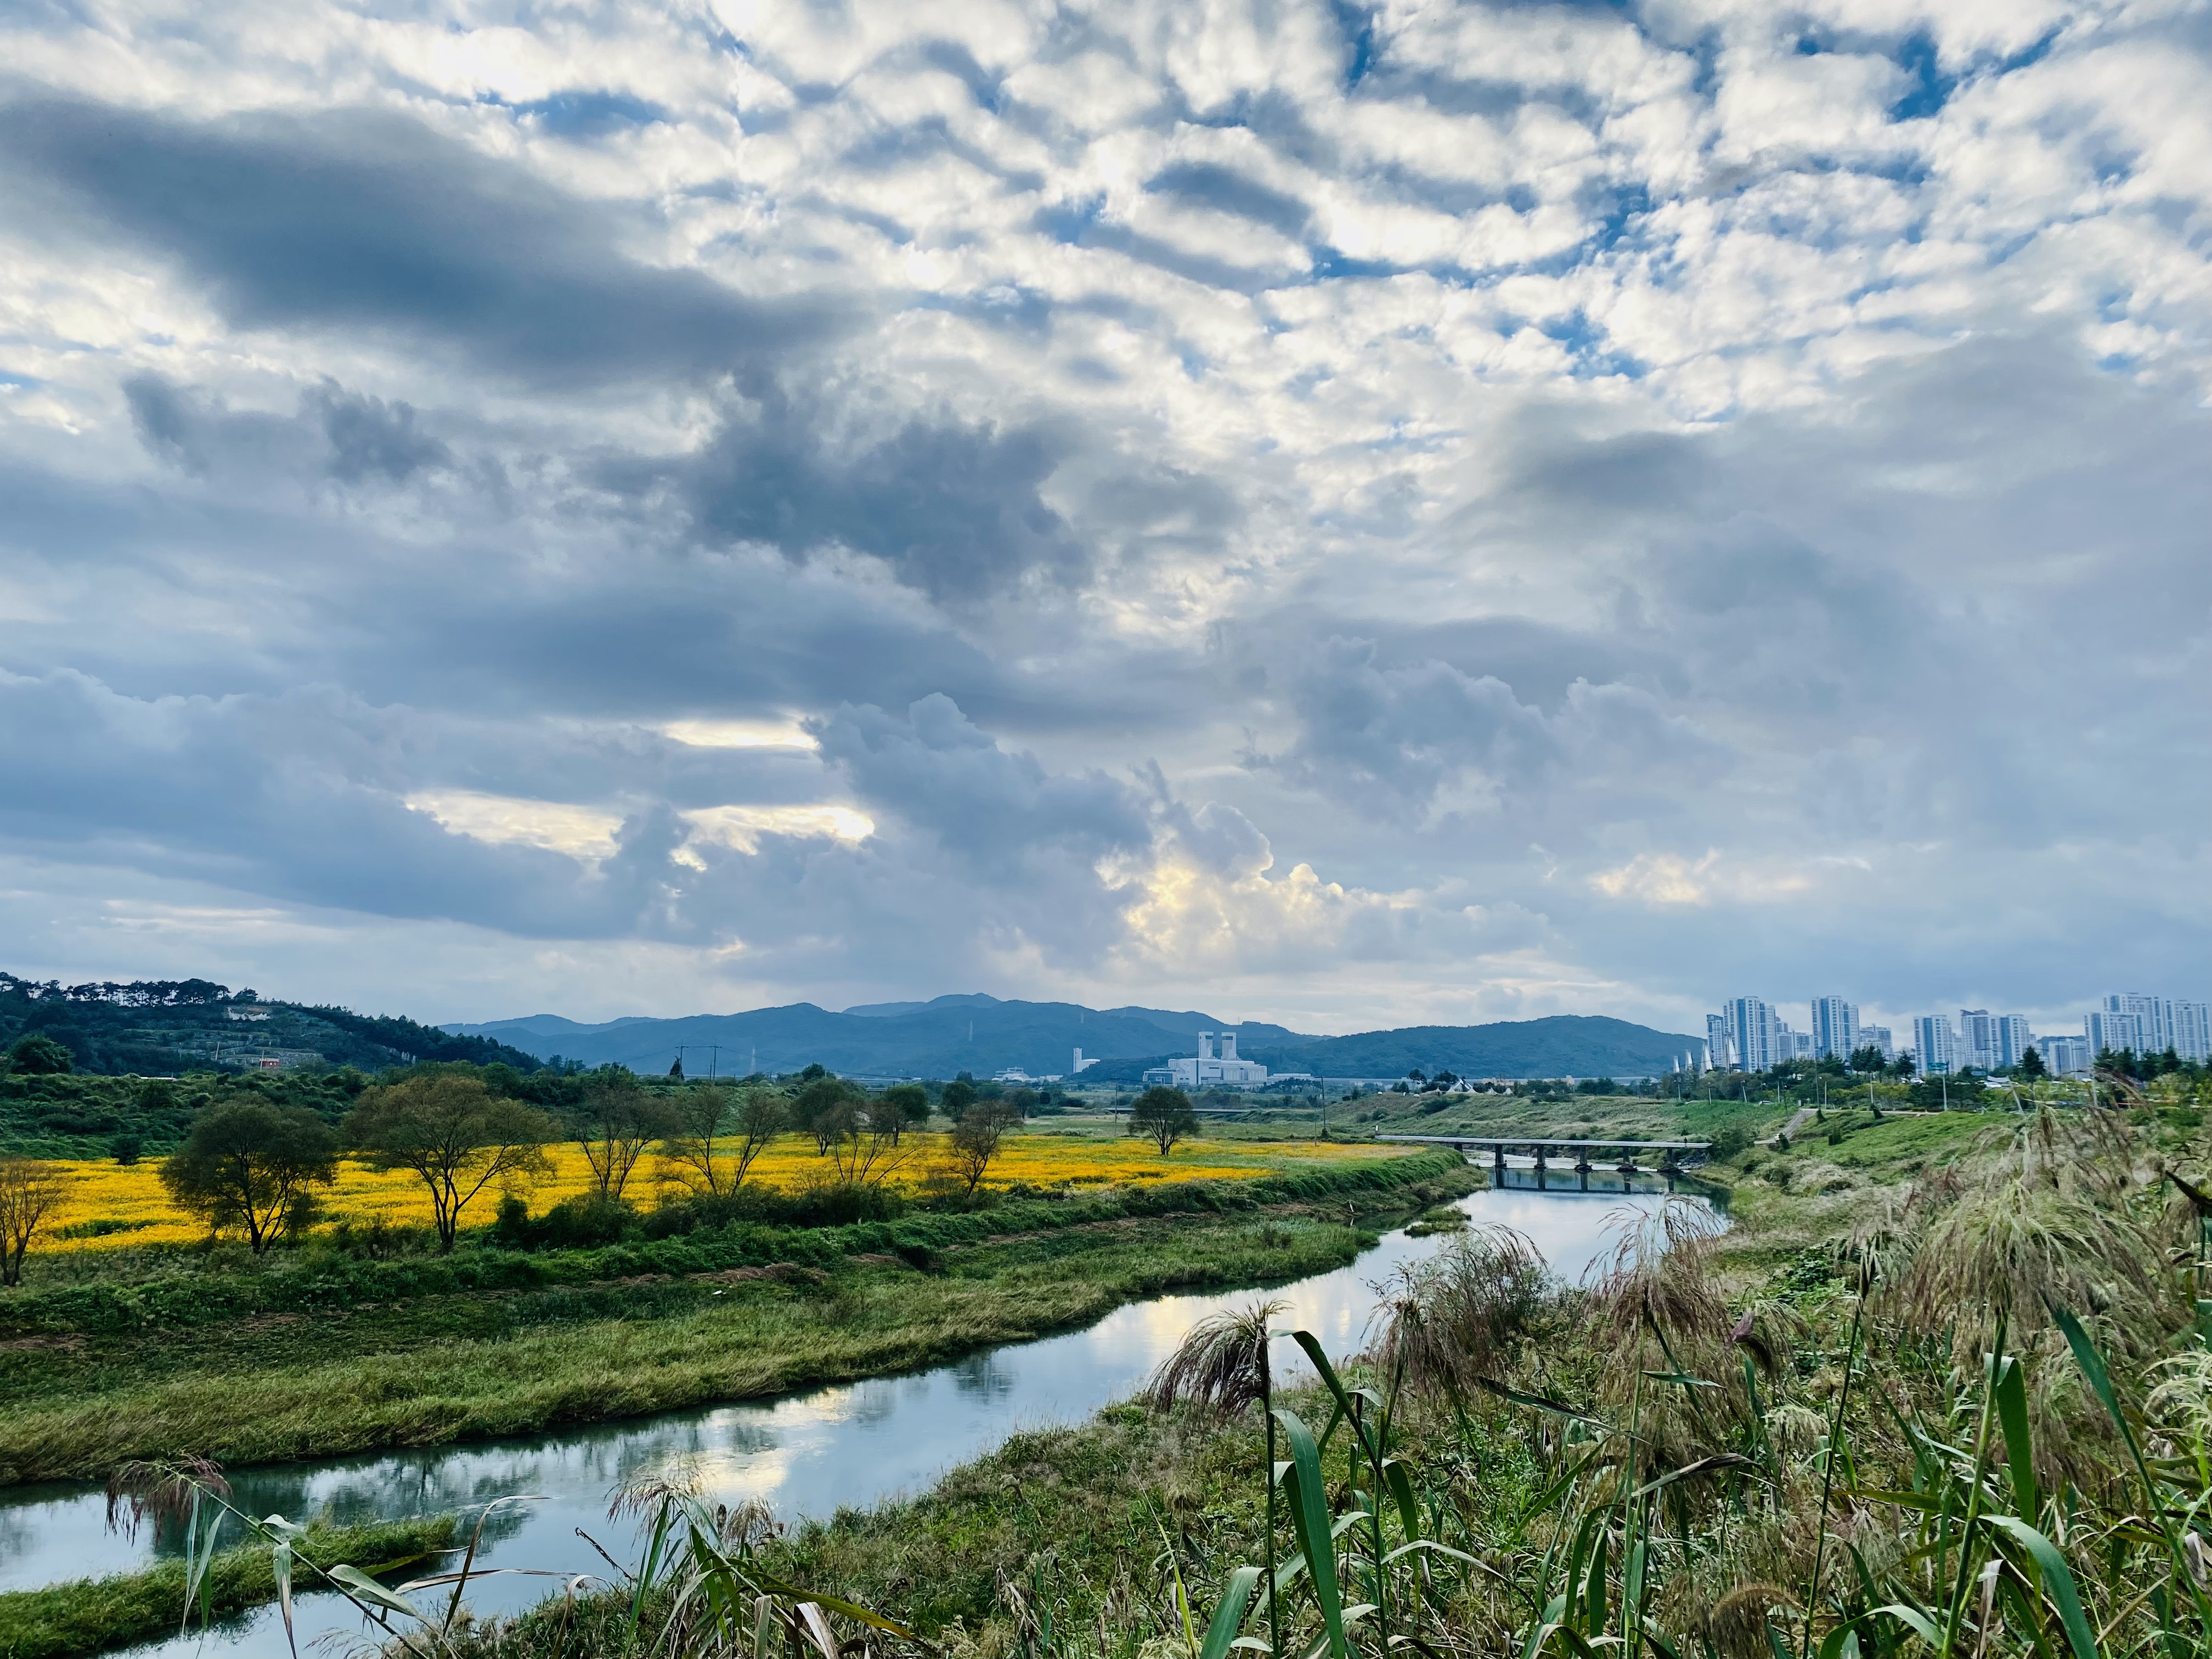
<point x="2155" y="1016"/>
<point x="1750" y="1032"/>
<point x="2192" y="1025"/>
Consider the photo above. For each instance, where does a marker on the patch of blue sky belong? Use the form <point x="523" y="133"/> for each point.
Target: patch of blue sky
<point x="1358" y="23"/>
<point x="1331" y="264"/>
<point x="2031" y="55"/>
<point x="1931" y="87"/>
<point x="1590" y="350"/>
<point x="1071" y="221"/>
<point x="10" y="377"/>
<point x="582" y="115"/>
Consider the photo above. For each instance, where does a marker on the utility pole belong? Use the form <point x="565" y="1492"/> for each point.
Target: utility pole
<point x="713" y="1060"/>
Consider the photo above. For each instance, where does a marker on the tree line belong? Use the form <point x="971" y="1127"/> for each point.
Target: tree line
<point x="254" y="1167"/>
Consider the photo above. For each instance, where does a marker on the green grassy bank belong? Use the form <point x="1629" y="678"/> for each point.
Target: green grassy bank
<point x="455" y="1361"/>
<point x="91" y="1615"/>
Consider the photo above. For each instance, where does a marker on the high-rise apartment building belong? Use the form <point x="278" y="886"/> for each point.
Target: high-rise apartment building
<point x="2113" y="1030"/>
<point x="2065" y="1056"/>
<point x="1992" y="1042"/>
<point x="1835" y="1028"/>
<point x="1718" y="1054"/>
<point x="1977" y="1040"/>
<point x="1933" y="1047"/>
<point x="2191" y="1027"/>
<point x="2155" y="1015"/>
<point x="1751" y="1032"/>
<point x="1878" y="1036"/>
<point x="2014" y="1039"/>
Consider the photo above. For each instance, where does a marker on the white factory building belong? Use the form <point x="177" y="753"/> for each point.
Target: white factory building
<point x="1210" y="1069"/>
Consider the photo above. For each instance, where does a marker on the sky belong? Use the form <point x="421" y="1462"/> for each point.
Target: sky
<point x="1348" y="515"/>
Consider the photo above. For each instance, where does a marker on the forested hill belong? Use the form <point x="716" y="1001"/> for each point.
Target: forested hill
<point x="1562" y="1045"/>
<point x="983" y="1035"/>
<point x="158" y="1028"/>
<point x="942" y="1038"/>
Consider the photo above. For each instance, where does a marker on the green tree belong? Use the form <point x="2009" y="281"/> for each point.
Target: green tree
<point x="2030" y="1065"/>
<point x="976" y="1140"/>
<point x="959" y="1095"/>
<point x="824" y="1108"/>
<point x="30" y="1193"/>
<point x="39" y="1055"/>
<point x="910" y="1101"/>
<point x="250" y="1165"/>
<point x="1868" y="1059"/>
<point x="454" y="1134"/>
<point x="1164" y="1116"/>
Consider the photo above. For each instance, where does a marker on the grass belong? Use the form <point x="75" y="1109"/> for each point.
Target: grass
<point x="91" y="1615"/>
<point x="471" y="1364"/>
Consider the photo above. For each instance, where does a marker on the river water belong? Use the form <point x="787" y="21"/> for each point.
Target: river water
<point x="807" y="1454"/>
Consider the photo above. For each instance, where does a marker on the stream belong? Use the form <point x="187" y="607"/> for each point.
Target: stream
<point x="806" y="1456"/>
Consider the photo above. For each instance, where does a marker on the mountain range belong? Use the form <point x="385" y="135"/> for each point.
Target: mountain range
<point x="983" y="1035"/>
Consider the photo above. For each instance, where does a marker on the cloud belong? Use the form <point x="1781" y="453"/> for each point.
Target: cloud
<point x="358" y="219"/>
<point x="956" y="510"/>
<point x="1474" y="510"/>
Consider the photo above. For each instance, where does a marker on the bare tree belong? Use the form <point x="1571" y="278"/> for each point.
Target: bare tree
<point x="30" y="1192"/>
<point x="616" y="1123"/>
<point x="976" y="1139"/>
<point x="867" y="1149"/>
<point x="455" y="1133"/>
<point x="708" y="1163"/>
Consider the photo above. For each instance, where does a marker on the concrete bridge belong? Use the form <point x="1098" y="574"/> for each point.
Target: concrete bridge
<point x="1674" y="1155"/>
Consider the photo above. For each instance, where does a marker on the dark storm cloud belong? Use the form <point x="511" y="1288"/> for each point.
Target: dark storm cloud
<point x="955" y="510"/>
<point x="363" y="219"/>
<point x="360" y="435"/>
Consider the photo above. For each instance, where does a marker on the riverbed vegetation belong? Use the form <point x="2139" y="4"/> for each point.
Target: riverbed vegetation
<point x="1953" y="1397"/>
<point x="86" y="1615"/>
<point x="358" y="1340"/>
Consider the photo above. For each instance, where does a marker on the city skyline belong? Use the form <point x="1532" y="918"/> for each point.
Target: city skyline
<point x="1750" y="1032"/>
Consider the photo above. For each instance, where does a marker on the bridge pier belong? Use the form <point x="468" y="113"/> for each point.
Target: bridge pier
<point x="1498" y="1161"/>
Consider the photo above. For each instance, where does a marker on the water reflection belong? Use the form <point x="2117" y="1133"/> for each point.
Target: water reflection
<point x="806" y="1456"/>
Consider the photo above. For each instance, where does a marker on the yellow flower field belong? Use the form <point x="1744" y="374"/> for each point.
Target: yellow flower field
<point x="109" y="1193"/>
